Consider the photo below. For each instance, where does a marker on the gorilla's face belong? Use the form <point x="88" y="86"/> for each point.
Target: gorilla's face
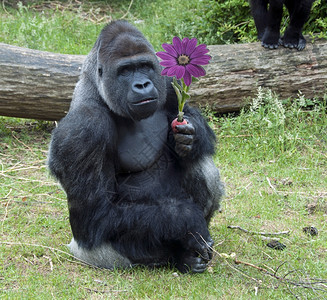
<point x="129" y="77"/>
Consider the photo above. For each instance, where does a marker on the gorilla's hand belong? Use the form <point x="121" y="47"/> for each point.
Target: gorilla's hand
<point x="197" y="255"/>
<point x="184" y="138"/>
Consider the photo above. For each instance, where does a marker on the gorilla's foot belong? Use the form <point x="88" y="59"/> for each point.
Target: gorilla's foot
<point x="294" y="43"/>
<point x="192" y="264"/>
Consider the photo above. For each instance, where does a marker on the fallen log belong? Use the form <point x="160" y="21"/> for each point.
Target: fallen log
<point x="39" y="85"/>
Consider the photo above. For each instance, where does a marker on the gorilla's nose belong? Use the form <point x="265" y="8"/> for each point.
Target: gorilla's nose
<point x="143" y="87"/>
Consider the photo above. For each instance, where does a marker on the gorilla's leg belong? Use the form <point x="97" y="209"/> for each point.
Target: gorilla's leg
<point x="103" y="256"/>
<point x="202" y="180"/>
<point x="299" y="14"/>
<point x="271" y="36"/>
<point x="260" y="13"/>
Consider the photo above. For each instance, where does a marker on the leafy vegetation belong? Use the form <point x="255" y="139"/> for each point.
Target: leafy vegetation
<point x="272" y="156"/>
<point x="72" y="26"/>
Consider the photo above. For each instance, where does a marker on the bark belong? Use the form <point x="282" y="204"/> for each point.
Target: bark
<point x="39" y="85"/>
<point x="36" y="84"/>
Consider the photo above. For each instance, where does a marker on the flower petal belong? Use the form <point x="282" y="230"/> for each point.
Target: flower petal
<point x="177" y="45"/>
<point x="180" y="71"/>
<point x="170" y="49"/>
<point x="164" y="71"/>
<point x="165" y="56"/>
<point x="191" y="46"/>
<point x="199" y="52"/>
<point x="168" y="63"/>
<point x="201" y="47"/>
<point x="187" y="78"/>
<point x="201" y="60"/>
<point x="195" y="70"/>
<point x="171" y="71"/>
<point x="185" y="42"/>
<point x="175" y="70"/>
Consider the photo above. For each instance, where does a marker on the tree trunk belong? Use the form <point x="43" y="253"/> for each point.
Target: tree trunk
<point x="39" y="85"/>
<point x="236" y="71"/>
<point x="36" y="84"/>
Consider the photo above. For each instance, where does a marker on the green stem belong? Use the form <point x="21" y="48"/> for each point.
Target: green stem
<point x="182" y="96"/>
<point x="180" y="116"/>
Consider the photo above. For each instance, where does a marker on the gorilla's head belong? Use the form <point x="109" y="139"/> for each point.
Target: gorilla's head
<point x="128" y="72"/>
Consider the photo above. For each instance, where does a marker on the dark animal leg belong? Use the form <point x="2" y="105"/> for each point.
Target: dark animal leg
<point x="260" y="13"/>
<point x="270" y="38"/>
<point x="299" y="14"/>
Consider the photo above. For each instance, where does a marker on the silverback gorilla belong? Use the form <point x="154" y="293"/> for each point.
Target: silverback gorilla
<point x="138" y="194"/>
<point x="268" y="22"/>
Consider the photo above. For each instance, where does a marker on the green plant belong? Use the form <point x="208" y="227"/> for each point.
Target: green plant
<point x="276" y="127"/>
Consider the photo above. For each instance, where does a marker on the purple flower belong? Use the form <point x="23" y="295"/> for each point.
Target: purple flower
<point x="183" y="59"/>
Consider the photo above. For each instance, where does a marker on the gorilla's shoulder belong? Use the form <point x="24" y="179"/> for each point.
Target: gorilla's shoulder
<point x="89" y="123"/>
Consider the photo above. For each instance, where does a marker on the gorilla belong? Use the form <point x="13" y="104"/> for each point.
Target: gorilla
<point x="268" y="22"/>
<point x="138" y="193"/>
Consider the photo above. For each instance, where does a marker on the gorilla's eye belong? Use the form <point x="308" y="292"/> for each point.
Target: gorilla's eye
<point x="125" y="70"/>
<point x="100" y="71"/>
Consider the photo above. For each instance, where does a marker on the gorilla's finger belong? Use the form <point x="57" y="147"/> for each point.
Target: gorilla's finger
<point x="182" y="150"/>
<point x="199" y="267"/>
<point x="210" y="244"/>
<point x="192" y="263"/>
<point x="186" y="139"/>
<point x="203" y="252"/>
<point x="186" y="129"/>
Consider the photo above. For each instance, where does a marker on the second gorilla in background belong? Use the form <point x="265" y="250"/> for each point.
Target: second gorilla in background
<point x="267" y="15"/>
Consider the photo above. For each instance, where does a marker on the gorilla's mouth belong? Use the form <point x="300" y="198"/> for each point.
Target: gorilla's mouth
<point x="145" y="101"/>
<point x="143" y="108"/>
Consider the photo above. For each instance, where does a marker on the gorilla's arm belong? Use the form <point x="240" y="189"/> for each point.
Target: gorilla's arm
<point x="82" y="158"/>
<point x="77" y="158"/>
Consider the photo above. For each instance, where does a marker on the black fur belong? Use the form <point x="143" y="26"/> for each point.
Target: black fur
<point x="137" y="193"/>
<point x="267" y="21"/>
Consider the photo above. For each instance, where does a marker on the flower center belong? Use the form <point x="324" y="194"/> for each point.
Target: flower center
<point x="183" y="60"/>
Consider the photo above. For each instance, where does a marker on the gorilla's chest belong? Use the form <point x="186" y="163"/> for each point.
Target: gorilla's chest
<point x="140" y="144"/>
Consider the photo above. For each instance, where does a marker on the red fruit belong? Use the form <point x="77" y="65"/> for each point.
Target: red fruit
<point x="175" y="122"/>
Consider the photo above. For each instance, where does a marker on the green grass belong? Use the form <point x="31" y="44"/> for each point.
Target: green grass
<point x="72" y="26"/>
<point x="272" y="157"/>
<point x="72" y="29"/>
<point x="273" y="175"/>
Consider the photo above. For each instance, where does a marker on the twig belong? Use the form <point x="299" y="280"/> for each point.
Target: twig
<point x="305" y="284"/>
<point x="273" y="188"/>
<point x="80" y="261"/>
<point x="236" y="136"/>
<point x="4" y="7"/>
<point x="313" y="284"/>
<point x="48" y="183"/>
<point x="314" y="150"/>
<point x="250" y="265"/>
<point x="23" y="168"/>
<point x="6" y="212"/>
<point x="243" y="188"/>
<point x="105" y="292"/>
<point x="29" y="261"/>
<point x="259" y="233"/>
<point x="50" y="261"/>
<point x="29" y="148"/>
<point x="128" y="9"/>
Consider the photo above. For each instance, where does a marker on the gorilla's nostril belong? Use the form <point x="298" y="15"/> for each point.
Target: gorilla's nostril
<point x="139" y="86"/>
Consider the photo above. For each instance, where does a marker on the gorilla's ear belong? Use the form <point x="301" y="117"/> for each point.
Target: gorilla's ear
<point x="100" y="71"/>
<point x="99" y="65"/>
